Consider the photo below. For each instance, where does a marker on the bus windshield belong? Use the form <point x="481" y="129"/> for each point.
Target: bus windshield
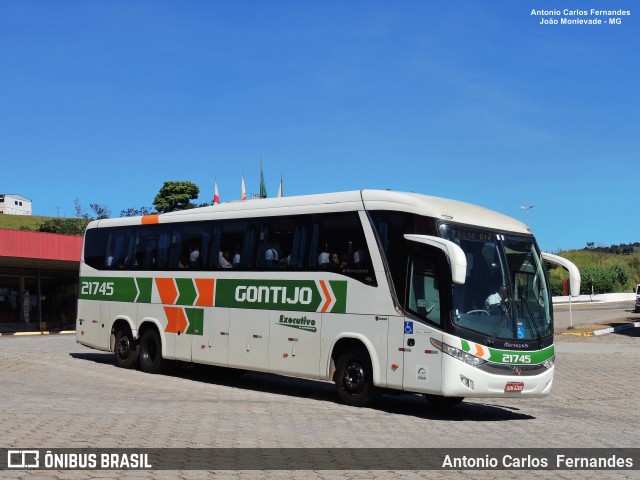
<point x="505" y="295"/>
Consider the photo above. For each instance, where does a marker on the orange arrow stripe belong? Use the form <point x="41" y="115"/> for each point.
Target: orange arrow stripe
<point x="176" y="320"/>
<point x="206" y="289"/>
<point x="479" y="350"/>
<point x="327" y="294"/>
<point x="167" y="290"/>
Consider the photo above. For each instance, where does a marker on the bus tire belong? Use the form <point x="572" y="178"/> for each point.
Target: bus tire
<point x="150" y="357"/>
<point x="438" y="401"/>
<point x="126" y="349"/>
<point x="354" y="378"/>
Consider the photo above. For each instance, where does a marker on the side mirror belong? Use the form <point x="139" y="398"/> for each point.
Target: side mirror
<point x="455" y="255"/>
<point x="574" y="273"/>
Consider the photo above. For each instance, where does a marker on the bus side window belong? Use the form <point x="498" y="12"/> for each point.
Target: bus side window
<point x="298" y="247"/>
<point x="424" y="293"/>
<point x="340" y="235"/>
<point x="234" y="239"/>
<point x="121" y="247"/>
<point x="176" y="248"/>
<point x="248" y="248"/>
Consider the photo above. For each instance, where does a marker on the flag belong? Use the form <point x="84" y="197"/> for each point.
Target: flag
<point x="243" y="193"/>
<point x="263" y="187"/>
<point x="280" y="188"/>
<point x="216" y="196"/>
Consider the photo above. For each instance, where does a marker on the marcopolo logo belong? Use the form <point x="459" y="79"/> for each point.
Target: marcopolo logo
<point x="301" y="323"/>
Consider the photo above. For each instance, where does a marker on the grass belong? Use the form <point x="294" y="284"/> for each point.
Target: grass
<point x="603" y="259"/>
<point x="22" y="222"/>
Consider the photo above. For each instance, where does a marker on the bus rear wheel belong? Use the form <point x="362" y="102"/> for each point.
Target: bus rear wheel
<point x="150" y="358"/>
<point x="126" y="349"/>
<point x="354" y="378"/>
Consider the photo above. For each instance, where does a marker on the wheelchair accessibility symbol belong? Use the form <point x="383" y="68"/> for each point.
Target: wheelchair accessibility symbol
<point x="408" y="328"/>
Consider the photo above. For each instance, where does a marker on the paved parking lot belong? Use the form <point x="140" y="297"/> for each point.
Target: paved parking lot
<point x="56" y="393"/>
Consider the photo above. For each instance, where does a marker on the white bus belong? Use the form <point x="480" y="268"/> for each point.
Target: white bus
<point x="374" y="290"/>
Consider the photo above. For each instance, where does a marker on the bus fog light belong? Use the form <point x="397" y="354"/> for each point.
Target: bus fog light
<point x="467" y="382"/>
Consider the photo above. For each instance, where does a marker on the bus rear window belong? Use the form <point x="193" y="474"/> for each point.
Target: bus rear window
<point x="95" y="247"/>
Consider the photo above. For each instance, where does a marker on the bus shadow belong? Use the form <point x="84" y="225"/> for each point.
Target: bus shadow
<point x="629" y="332"/>
<point x="393" y="402"/>
<point x="97" y="357"/>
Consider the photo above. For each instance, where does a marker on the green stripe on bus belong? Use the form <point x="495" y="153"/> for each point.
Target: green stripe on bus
<point x="144" y="286"/>
<point x="196" y="321"/>
<point x="515" y="357"/>
<point x="116" y="289"/>
<point x="293" y="295"/>
<point x="187" y="293"/>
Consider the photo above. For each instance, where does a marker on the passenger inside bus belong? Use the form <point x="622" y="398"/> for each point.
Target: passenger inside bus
<point x="271" y="257"/>
<point x="223" y="259"/>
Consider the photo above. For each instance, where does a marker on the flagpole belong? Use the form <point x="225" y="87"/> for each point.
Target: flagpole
<point x="263" y="187"/>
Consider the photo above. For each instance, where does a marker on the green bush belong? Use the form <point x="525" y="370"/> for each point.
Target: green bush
<point x="604" y="279"/>
<point x="556" y="286"/>
<point x="65" y="226"/>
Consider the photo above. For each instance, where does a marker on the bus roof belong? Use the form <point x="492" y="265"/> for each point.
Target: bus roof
<point x="436" y="207"/>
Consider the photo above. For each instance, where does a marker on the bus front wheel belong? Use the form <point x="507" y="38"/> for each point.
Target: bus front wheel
<point x="151" y="360"/>
<point x="354" y="378"/>
<point x="126" y="349"/>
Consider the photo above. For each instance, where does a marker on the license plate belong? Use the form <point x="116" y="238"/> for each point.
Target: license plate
<point x="514" y="387"/>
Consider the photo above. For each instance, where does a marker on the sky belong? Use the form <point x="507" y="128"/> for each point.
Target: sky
<point x="103" y="101"/>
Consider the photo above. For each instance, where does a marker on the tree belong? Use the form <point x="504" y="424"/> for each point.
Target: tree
<point x="175" y="196"/>
<point x="101" y="211"/>
<point x="135" y="212"/>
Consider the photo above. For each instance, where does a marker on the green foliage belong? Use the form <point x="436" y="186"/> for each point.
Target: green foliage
<point x="65" y="226"/>
<point x="101" y="211"/>
<point x="175" y="196"/>
<point x="604" y="269"/>
<point x="136" y="212"/>
<point x="556" y="286"/>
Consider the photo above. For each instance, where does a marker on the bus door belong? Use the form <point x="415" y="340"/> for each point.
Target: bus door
<point x="422" y="361"/>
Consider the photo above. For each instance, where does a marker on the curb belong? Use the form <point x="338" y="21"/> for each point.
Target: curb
<point x="63" y="332"/>
<point x="616" y="329"/>
<point x="603" y="331"/>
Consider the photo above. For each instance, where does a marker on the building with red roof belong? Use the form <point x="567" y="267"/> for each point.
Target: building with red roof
<point x="38" y="280"/>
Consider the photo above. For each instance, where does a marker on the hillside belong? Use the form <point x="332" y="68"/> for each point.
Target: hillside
<point x="22" y="222"/>
<point x="602" y="268"/>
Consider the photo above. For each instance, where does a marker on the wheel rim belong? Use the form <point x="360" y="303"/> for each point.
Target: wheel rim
<point x="354" y="378"/>
<point x="123" y="349"/>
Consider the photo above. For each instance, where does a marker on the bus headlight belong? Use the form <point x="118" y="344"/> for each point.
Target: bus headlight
<point x="549" y="362"/>
<point x="457" y="353"/>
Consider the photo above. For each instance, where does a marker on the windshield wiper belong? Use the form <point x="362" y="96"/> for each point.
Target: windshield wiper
<point x="498" y="325"/>
<point x="531" y="321"/>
